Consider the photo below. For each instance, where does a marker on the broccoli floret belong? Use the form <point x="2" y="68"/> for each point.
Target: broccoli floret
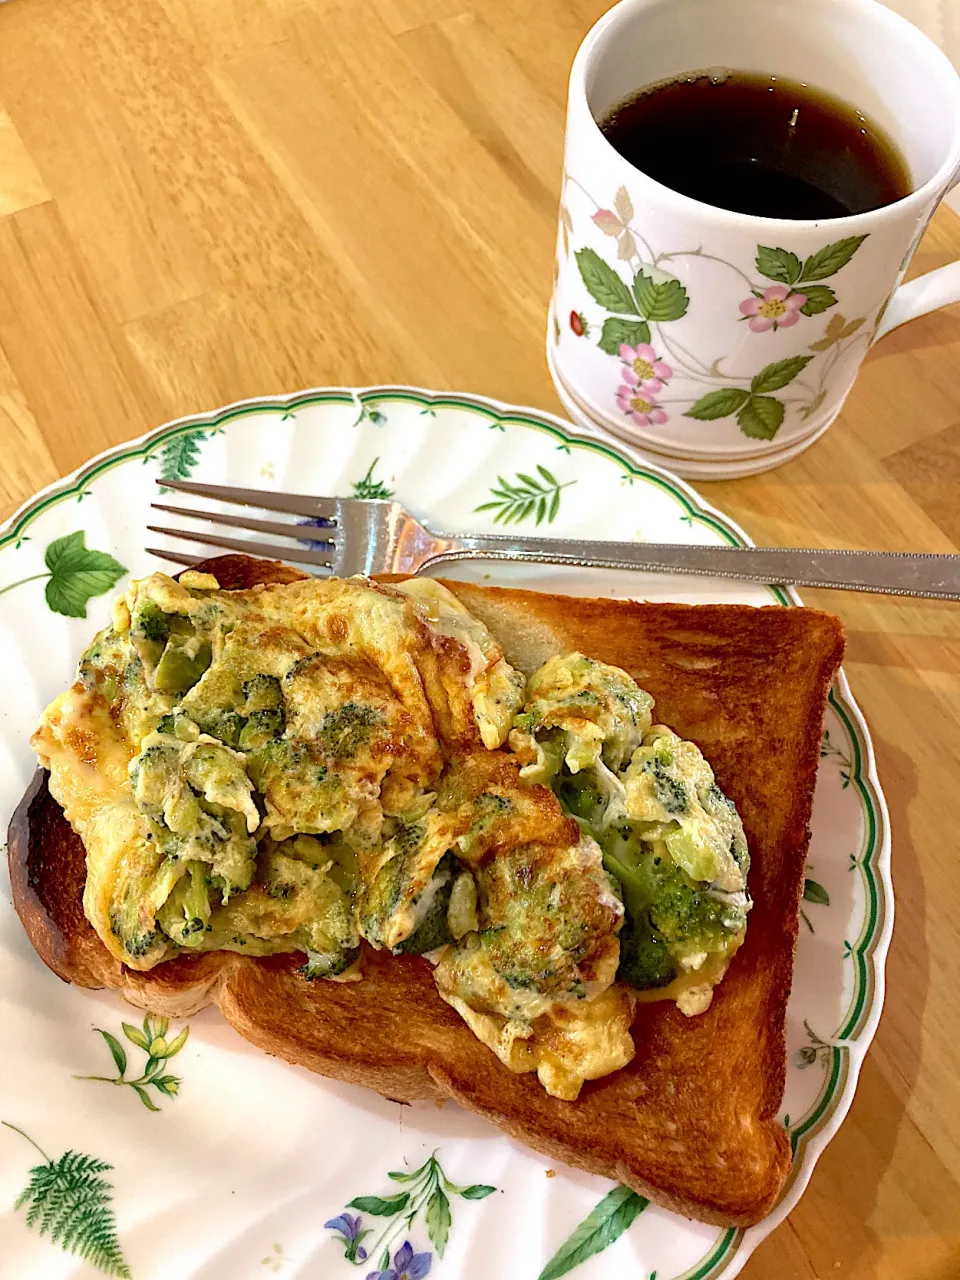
<point x="149" y="622"/>
<point x="645" y="960"/>
<point x="298" y="787"/>
<point x="219" y="723"/>
<point x="261" y="727"/>
<point x="668" y="916"/>
<point x="593" y="795"/>
<point x="381" y="897"/>
<point x="433" y="930"/>
<point x="489" y="808"/>
<point x="408" y="835"/>
<point x="579" y="796"/>
<point x="102" y="663"/>
<point x="718" y="804"/>
<point x="179" y="669"/>
<point x="262" y="693"/>
<point x="280" y="890"/>
<point x="138" y="943"/>
<point x="689" y="917"/>
<point x="225" y="888"/>
<point x="186" y="913"/>
<point x="327" y="964"/>
<point x="345" y="731"/>
<point x="278" y="758"/>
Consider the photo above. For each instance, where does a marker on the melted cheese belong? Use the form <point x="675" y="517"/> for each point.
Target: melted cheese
<point x="566" y="1046"/>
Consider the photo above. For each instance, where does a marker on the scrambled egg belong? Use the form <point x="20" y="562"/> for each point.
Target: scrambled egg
<point x="535" y="981"/>
<point x="670" y="837"/>
<point x="313" y="765"/>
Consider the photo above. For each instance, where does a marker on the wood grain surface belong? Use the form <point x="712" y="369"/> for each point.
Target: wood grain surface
<point x="202" y="200"/>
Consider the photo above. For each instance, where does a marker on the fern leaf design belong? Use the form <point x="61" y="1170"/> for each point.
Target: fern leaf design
<point x="179" y="456"/>
<point x="528" y="495"/>
<point x="71" y="1202"/>
<point x="370" y="488"/>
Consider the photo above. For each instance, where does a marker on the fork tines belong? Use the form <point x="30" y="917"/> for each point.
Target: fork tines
<point x="320" y="513"/>
<point x="294" y="504"/>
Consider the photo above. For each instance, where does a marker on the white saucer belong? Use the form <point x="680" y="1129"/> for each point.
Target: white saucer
<point x="690" y="468"/>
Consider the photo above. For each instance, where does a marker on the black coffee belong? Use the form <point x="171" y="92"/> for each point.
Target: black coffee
<point x="759" y="144"/>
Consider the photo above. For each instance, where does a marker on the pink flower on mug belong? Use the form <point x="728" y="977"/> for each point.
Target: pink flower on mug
<point x="776" y="308"/>
<point x="639" y="405"/>
<point x="643" y="369"/>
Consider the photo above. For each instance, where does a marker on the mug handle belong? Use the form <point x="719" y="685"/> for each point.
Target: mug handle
<point x="939" y="288"/>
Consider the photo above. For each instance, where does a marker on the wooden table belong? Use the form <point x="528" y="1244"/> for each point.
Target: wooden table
<point x="207" y="199"/>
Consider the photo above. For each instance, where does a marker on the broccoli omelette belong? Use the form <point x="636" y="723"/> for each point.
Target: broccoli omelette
<point x="312" y="765"/>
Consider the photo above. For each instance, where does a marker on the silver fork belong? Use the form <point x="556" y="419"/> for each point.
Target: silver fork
<point x="344" y="536"/>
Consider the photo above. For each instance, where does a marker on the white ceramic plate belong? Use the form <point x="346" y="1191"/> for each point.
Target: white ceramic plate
<point x="247" y="1167"/>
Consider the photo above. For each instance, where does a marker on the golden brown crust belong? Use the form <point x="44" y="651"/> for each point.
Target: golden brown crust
<point x="693" y="1121"/>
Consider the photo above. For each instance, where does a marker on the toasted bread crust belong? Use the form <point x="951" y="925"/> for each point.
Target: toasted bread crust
<point x="692" y="1122"/>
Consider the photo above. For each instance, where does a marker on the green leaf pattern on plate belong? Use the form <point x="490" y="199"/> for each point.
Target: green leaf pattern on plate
<point x="773" y="377"/>
<point x="820" y="297"/>
<point x="830" y="259"/>
<point x="427" y="1196"/>
<point x="71" y="1202"/>
<point x="829" y="750"/>
<point x="75" y="574"/>
<point x="817" y="1050"/>
<point x="180" y="455"/>
<point x="606" y="1223"/>
<point x="817" y="895"/>
<point x="368" y="487"/>
<point x="719" y="404"/>
<point x="151" y="1040"/>
<point x="778" y="264"/>
<point x="813" y="891"/>
<point x="526" y="496"/>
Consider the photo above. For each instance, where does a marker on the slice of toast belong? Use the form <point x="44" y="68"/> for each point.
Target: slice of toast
<point x="692" y="1122"/>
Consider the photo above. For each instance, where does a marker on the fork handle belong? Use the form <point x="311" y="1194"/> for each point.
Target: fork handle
<point x="890" y="572"/>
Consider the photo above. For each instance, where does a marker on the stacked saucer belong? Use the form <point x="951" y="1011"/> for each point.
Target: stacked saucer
<point x="677" y="454"/>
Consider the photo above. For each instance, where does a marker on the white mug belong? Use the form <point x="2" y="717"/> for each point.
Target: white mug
<point x="717" y="342"/>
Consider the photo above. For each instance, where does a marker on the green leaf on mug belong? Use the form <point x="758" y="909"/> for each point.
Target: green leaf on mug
<point x="819" y="298"/>
<point x="828" y="260"/>
<point x="616" y="332"/>
<point x="603" y="284"/>
<point x="760" y="417"/>
<point x="661" y="300"/>
<point x="718" y="404"/>
<point x="778" y="264"/>
<point x="774" y="376"/>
